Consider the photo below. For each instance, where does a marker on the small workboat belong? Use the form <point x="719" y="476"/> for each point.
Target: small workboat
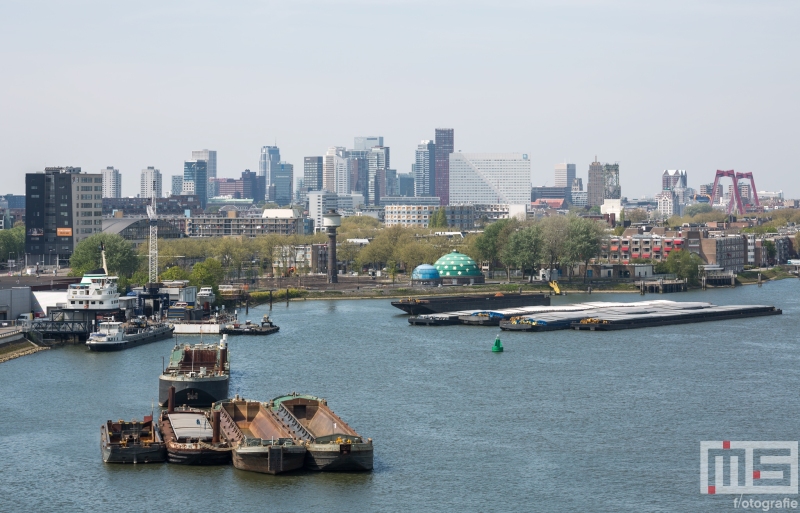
<point x="260" y="441"/>
<point x="132" y="442"/>
<point x="331" y="444"/>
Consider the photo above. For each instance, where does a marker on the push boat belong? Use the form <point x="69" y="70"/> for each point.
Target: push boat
<point x="331" y="444"/>
<point x="132" y="442"/>
<point x="200" y="374"/>
<point x="192" y="437"/>
<point x="260" y="441"/>
<point x="115" y="336"/>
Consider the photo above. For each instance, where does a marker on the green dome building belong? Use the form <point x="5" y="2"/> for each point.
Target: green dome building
<point x="457" y="268"/>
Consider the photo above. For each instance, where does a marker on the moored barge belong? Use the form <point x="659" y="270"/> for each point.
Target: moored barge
<point x="200" y="374"/>
<point x="115" y="336"/>
<point x="439" y="304"/>
<point x="132" y="442"/>
<point x="331" y="444"/>
<point x="192" y="437"/>
<point x="260" y="441"/>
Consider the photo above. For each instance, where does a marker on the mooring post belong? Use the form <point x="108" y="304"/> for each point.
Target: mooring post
<point x="270" y="299"/>
<point x="287" y="296"/>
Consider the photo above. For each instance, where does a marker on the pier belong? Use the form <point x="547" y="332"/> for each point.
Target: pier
<point x="662" y="286"/>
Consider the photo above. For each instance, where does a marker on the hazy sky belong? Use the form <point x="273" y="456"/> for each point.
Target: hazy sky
<point x="695" y="85"/>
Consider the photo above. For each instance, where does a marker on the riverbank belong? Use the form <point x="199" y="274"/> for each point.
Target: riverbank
<point x="17" y="349"/>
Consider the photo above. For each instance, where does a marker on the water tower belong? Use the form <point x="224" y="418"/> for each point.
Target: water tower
<point x="331" y="221"/>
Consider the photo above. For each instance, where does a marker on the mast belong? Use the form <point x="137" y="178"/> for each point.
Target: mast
<point x="153" y="254"/>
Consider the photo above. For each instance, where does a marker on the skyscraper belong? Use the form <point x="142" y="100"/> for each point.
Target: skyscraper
<point x="673" y="178"/>
<point x="365" y="143"/>
<point x="195" y="176"/>
<point x="424" y="169"/>
<point x="312" y="173"/>
<point x="269" y="162"/>
<point x="177" y="185"/>
<point x="283" y="179"/>
<point x="379" y="161"/>
<point x="210" y="156"/>
<point x="112" y="182"/>
<point x="150" y="183"/>
<point x="603" y="183"/>
<point x="250" y="185"/>
<point x="444" y="142"/>
<point x="341" y="173"/>
<point x="565" y="175"/>
<point x="406" y="184"/>
<point x="329" y="169"/>
<point x="489" y="178"/>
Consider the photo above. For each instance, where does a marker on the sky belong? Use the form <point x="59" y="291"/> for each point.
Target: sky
<point x="695" y="85"/>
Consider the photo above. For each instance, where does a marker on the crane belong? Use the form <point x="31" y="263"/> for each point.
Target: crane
<point x="153" y="254"/>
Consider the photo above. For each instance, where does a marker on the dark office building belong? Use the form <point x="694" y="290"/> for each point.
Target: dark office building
<point x="359" y="173"/>
<point x="196" y="172"/>
<point x="15" y="201"/>
<point x="564" y="193"/>
<point x="406" y="181"/>
<point x="444" y="142"/>
<point x="312" y="173"/>
<point x="251" y="188"/>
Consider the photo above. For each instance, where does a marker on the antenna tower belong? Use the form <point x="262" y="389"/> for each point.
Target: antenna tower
<point x="153" y="255"/>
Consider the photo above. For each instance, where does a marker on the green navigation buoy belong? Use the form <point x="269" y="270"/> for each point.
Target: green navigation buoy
<point x="498" y="346"/>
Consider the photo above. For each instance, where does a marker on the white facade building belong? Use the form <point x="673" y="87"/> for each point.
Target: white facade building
<point x="564" y="175"/>
<point x="341" y="174"/>
<point x="112" y="182"/>
<point x="409" y="215"/>
<point x="668" y="205"/>
<point x="151" y="183"/>
<point x="318" y="203"/>
<point x="490" y="178"/>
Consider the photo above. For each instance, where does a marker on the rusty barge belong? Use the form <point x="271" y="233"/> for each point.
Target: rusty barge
<point x="200" y="374"/>
<point x="331" y="444"/>
<point x="260" y="441"/>
<point x="132" y="442"/>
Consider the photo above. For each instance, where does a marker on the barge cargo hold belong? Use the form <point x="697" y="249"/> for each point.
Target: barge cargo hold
<point x="260" y="441"/>
<point x="192" y="438"/>
<point x="200" y="374"/>
<point x="331" y="444"/>
<point x="603" y="316"/>
<point x="132" y="442"/>
<point x="439" y="304"/>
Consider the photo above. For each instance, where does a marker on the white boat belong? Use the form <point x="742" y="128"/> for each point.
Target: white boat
<point x="96" y="291"/>
<point x="113" y="336"/>
<point x="206" y="295"/>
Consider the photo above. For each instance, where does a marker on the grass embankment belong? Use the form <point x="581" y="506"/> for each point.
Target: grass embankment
<point x="776" y="273"/>
<point x="17" y="349"/>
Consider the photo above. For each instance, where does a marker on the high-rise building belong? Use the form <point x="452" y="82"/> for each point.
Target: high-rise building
<point x="392" y="184"/>
<point x="150" y="183"/>
<point x="312" y="173"/>
<point x="319" y="202"/>
<point x="251" y="186"/>
<point x="379" y="161"/>
<point x="365" y="143"/>
<point x="490" y="178"/>
<point x="577" y="185"/>
<point x="283" y="179"/>
<point x="406" y="184"/>
<point x="425" y="170"/>
<point x="329" y="167"/>
<point x="672" y="179"/>
<point x="444" y="144"/>
<point x="359" y="172"/>
<point x="177" y="185"/>
<point x="112" y="182"/>
<point x="62" y="207"/>
<point x="565" y="175"/>
<point x="603" y="183"/>
<point x="195" y="177"/>
<point x="269" y="162"/>
<point x="341" y="173"/>
<point x="210" y="156"/>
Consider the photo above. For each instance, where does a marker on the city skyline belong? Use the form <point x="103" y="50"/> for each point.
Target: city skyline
<point x="662" y="106"/>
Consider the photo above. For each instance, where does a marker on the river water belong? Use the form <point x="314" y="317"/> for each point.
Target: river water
<point x="561" y="421"/>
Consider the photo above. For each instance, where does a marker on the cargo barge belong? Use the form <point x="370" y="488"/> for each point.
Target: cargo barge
<point x="331" y="444"/>
<point x="267" y="327"/>
<point x="192" y="437"/>
<point x="439" y="304"/>
<point x="115" y="336"/>
<point x="200" y="374"/>
<point x="718" y="313"/>
<point x="260" y="441"/>
<point x="132" y="442"/>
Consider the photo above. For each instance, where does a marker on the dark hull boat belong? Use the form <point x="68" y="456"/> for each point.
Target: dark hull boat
<point x="192" y="438"/>
<point x="434" y="304"/>
<point x="331" y="444"/>
<point x="132" y="442"/>
<point x="106" y="339"/>
<point x="200" y="374"/>
<point x="261" y="443"/>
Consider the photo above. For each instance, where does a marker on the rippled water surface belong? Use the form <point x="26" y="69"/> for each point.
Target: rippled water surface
<point x="561" y="421"/>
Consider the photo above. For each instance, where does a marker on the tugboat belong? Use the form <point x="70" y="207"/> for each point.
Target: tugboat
<point x="200" y="374"/>
<point x="192" y="436"/>
<point x="261" y="443"/>
<point x="331" y="444"/>
<point x="132" y="442"/>
<point x="114" y="336"/>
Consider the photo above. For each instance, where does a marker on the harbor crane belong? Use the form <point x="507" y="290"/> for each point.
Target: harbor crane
<point x="153" y="254"/>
